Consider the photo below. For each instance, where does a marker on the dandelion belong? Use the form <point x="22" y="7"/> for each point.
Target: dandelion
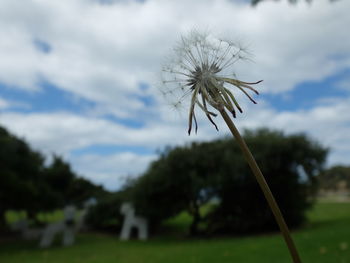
<point x="201" y="70"/>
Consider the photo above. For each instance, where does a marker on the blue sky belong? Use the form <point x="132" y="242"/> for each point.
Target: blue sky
<point x="81" y="79"/>
<point x="308" y="94"/>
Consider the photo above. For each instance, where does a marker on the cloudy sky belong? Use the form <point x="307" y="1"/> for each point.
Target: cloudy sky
<point x="81" y="78"/>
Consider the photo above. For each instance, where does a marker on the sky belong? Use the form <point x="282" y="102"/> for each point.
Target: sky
<point x="81" y="78"/>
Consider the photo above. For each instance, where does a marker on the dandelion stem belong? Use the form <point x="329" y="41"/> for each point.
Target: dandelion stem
<point x="264" y="187"/>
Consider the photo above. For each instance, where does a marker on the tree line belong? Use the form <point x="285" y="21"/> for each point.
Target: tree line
<point x="213" y="184"/>
<point x="208" y="180"/>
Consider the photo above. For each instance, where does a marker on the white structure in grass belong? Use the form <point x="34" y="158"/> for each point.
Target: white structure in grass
<point x="132" y="221"/>
<point x="66" y="226"/>
<point x="69" y="226"/>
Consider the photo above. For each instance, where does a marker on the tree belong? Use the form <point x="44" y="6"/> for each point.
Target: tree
<point x="21" y="184"/>
<point x="290" y="164"/>
<point x="105" y="215"/>
<point x="70" y="188"/>
<point x="27" y="184"/>
<point x="186" y="178"/>
<point x="178" y="181"/>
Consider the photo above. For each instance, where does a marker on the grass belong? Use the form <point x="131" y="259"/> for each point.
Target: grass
<point x="325" y="239"/>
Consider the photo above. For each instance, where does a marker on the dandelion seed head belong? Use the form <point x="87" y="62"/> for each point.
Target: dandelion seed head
<point x="202" y="70"/>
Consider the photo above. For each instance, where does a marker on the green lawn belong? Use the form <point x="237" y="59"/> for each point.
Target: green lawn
<point x="325" y="239"/>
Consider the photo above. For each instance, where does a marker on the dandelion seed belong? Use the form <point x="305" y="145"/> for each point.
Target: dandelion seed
<point x="201" y="69"/>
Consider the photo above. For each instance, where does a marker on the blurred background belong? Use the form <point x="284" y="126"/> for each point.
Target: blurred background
<point x="82" y="118"/>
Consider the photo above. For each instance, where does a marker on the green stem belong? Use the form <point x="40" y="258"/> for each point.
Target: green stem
<point x="264" y="187"/>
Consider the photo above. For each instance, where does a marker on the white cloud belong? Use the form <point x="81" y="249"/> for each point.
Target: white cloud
<point x="8" y="104"/>
<point x="102" y="52"/>
<point x="63" y="132"/>
<point x="112" y="170"/>
<point x="3" y="104"/>
<point x="328" y="123"/>
<point x="344" y="84"/>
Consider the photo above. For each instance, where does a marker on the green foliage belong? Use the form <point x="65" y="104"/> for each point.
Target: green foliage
<point x="21" y="186"/>
<point x="106" y="216"/>
<point x="67" y="186"/>
<point x="290" y="165"/>
<point x="179" y="180"/>
<point x="186" y="178"/>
